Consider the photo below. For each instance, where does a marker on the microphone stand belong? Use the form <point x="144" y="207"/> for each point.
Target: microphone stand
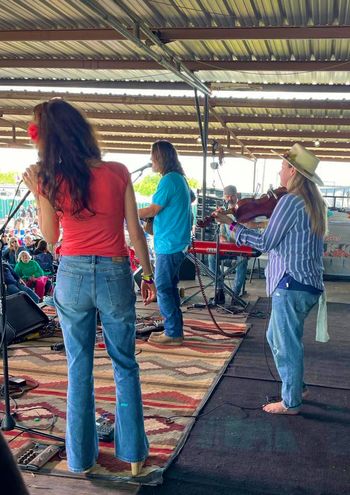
<point x="8" y="422"/>
<point x="140" y="171"/>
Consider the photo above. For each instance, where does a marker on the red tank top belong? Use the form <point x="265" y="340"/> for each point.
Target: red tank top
<point x="103" y="233"/>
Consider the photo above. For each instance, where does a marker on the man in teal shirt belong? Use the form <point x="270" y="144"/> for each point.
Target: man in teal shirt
<point x="171" y="209"/>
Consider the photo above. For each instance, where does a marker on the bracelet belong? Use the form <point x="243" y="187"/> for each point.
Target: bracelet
<point x="233" y="225"/>
<point x="149" y="281"/>
<point x="147" y="278"/>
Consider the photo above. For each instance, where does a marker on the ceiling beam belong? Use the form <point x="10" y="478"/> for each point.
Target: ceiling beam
<point x="93" y="83"/>
<point x="241" y="133"/>
<point x="179" y="101"/>
<point x="191" y="65"/>
<point x="192" y="151"/>
<point x="175" y="85"/>
<point x="169" y="117"/>
<point x="163" y="56"/>
<point x="188" y="33"/>
<point x="324" y="145"/>
<point x="7" y="136"/>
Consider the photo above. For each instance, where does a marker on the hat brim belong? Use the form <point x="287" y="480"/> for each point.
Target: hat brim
<point x="313" y="177"/>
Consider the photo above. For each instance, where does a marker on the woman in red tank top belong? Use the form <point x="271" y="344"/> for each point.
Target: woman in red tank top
<point x="91" y="199"/>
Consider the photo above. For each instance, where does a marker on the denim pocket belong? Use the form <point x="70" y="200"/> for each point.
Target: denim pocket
<point x="68" y="287"/>
<point x="120" y="288"/>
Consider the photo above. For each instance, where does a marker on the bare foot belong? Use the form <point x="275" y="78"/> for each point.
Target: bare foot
<point x="279" y="408"/>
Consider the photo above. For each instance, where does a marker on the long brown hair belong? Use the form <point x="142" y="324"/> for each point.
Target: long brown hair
<point x="314" y="204"/>
<point x="66" y="143"/>
<point x="166" y="156"/>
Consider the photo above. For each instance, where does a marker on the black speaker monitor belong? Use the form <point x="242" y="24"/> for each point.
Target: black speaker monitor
<point x="23" y="316"/>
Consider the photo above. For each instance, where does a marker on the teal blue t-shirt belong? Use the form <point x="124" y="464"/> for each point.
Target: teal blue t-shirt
<point x="172" y="225"/>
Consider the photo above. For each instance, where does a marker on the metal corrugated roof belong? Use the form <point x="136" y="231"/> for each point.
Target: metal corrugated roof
<point x="160" y="14"/>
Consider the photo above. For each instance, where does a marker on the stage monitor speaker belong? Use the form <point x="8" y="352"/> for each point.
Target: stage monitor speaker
<point x="187" y="270"/>
<point x="23" y="316"/>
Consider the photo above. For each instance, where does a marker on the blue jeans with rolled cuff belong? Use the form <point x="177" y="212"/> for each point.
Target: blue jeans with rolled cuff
<point x="284" y="335"/>
<point x="166" y="278"/>
<point x="86" y="284"/>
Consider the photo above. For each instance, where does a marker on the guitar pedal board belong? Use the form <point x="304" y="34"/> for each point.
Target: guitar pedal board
<point x="32" y="456"/>
<point x="105" y="429"/>
<point x="149" y="326"/>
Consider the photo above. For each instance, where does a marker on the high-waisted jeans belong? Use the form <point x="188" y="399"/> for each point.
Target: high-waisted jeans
<point x="285" y="337"/>
<point x="85" y="284"/>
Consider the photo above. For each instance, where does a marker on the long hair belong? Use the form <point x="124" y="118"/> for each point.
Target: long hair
<point x="66" y="143"/>
<point x="314" y="203"/>
<point x="166" y="155"/>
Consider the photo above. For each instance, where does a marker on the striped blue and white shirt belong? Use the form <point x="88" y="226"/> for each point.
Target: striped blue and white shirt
<point x="293" y="248"/>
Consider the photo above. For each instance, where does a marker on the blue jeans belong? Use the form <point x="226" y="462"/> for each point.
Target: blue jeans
<point x="284" y="335"/>
<point x="241" y="272"/>
<point x="85" y="284"/>
<point x="166" y="279"/>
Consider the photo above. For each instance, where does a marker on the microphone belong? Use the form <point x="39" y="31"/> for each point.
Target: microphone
<point x="141" y="169"/>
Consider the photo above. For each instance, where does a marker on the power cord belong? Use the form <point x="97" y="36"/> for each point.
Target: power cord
<point x="201" y="286"/>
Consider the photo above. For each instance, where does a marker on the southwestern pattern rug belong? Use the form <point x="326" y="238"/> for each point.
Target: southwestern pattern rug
<point x="176" y="383"/>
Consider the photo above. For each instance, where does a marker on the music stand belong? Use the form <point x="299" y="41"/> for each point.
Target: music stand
<point x="8" y="422"/>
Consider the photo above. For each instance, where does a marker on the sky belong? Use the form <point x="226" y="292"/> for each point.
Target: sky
<point x="236" y="171"/>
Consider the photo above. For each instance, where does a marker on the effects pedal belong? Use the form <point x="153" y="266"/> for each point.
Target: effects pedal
<point x="155" y="325"/>
<point x="33" y="455"/>
<point x="105" y="429"/>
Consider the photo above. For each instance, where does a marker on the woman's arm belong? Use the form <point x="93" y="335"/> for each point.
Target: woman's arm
<point x="138" y="241"/>
<point x="282" y="220"/>
<point x="47" y="217"/>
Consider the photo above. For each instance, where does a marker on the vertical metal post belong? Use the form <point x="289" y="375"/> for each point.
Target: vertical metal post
<point x="205" y="154"/>
<point x="254" y="176"/>
<point x="203" y="130"/>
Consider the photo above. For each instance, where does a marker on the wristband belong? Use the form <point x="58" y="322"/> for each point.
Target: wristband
<point x="233" y="225"/>
<point x="150" y="281"/>
<point x="147" y="278"/>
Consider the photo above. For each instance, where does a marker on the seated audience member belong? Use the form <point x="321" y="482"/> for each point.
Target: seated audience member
<point x="29" y="244"/>
<point x="15" y="284"/>
<point x="36" y="234"/>
<point x="18" y="226"/>
<point x="44" y="257"/>
<point x="32" y="273"/>
<point x="4" y="242"/>
<point x="10" y="253"/>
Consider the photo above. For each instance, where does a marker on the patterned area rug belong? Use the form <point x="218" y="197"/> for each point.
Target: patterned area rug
<point x="176" y="382"/>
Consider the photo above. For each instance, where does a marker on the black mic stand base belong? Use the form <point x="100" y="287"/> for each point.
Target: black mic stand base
<point x="8" y="422"/>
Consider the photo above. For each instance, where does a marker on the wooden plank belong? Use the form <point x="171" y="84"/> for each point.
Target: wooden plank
<point x="38" y="484"/>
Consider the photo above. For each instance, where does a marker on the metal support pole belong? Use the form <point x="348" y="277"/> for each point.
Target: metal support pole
<point x="254" y="175"/>
<point x="205" y="153"/>
<point x="203" y="130"/>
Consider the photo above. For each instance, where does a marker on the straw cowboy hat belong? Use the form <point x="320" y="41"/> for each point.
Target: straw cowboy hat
<point x="304" y="161"/>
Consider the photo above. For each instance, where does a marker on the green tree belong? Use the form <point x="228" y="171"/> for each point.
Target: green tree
<point x="193" y="183"/>
<point x="8" y="178"/>
<point x="148" y="185"/>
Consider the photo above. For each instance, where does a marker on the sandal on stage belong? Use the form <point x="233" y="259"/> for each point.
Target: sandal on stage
<point x="136" y="468"/>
